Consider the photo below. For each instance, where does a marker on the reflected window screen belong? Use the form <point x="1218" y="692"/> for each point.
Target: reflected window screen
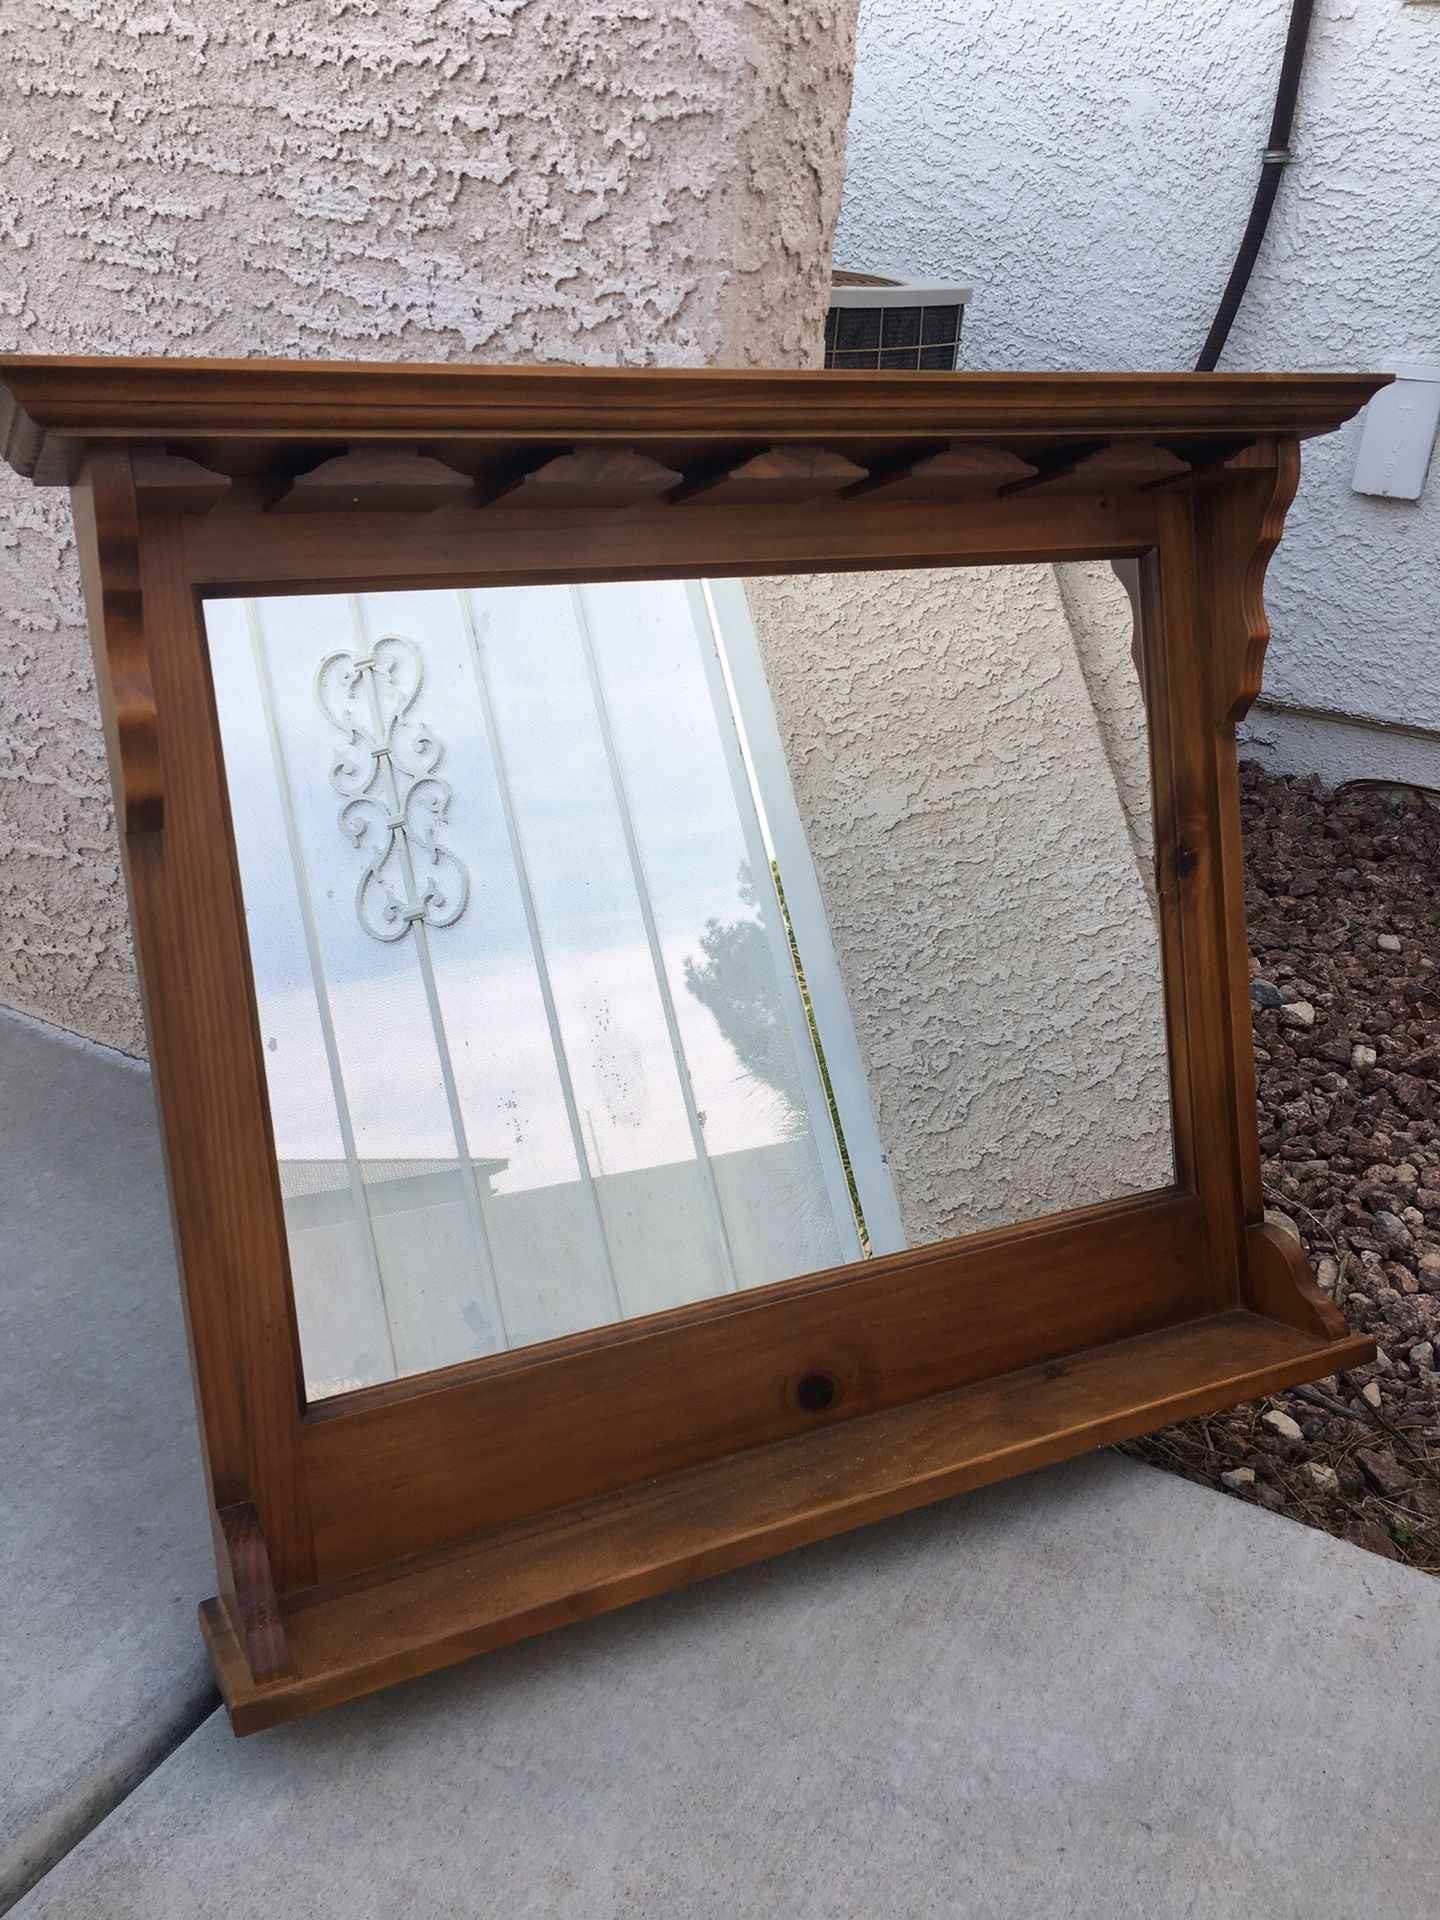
<point x="620" y="946"/>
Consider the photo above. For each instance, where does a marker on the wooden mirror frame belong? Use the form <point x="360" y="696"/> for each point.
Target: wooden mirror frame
<point x="404" y="1526"/>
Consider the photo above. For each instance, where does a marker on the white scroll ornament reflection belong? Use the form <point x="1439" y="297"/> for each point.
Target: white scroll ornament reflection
<point x="395" y="804"/>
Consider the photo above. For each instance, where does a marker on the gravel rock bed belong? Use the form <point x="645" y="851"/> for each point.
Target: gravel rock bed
<point x="1343" y="907"/>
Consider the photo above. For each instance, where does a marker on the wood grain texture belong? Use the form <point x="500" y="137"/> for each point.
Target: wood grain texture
<point x="1118" y="467"/>
<point x="956" y="472"/>
<point x="374" y="480"/>
<point x="1280" y="1284"/>
<point x="569" y="1565"/>
<point x="108" y="529"/>
<point x="51" y="405"/>
<point x="780" y="476"/>
<point x="254" y="1607"/>
<point x="396" y="1468"/>
<point x="238" y="547"/>
<point x="684" y="1438"/>
<point x="1189" y="593"/>
<point x="1232" y="529"/>
<point x="208" y="1065"/>
<point x="166" y="483"/>
<point x="1262" y="514"/>
<point x="588" y="477"/>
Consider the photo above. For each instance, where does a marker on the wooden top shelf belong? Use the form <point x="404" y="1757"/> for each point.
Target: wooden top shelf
<point x="50" y="407"/>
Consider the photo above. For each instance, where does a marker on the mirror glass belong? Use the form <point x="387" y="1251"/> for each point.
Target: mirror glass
<point x="622" y="945"/>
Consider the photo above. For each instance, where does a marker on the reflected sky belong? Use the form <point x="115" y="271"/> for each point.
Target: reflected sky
<point x="689" y="831"/>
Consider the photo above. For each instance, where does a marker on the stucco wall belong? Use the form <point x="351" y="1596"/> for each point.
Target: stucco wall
<point x="985" y="866"/>
<point x="1089" y="163"/>
<point x="376" y="179"/>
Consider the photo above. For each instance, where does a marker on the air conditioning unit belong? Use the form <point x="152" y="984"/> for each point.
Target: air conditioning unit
<point x="894" y="320"/>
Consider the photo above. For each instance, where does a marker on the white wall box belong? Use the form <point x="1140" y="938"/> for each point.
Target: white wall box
<point x="1399" y="433"/>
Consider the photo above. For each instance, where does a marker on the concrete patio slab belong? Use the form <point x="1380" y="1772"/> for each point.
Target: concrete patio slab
<point x="1097" y="1692"/>
<point x="104" y="1545"/>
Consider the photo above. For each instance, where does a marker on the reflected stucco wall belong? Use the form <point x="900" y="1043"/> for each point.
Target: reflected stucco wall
<point x="977" y="808"/>
<point x="414" y="180"/>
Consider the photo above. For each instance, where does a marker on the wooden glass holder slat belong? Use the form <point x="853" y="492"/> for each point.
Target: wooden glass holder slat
<point x="402" y="1527"/>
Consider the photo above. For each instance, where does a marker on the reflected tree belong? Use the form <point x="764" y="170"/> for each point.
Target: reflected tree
<point x="735" y="981"/>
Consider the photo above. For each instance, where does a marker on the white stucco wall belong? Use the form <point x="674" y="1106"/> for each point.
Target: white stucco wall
<point x="374" y="179"/>
<point x="1090" y="164"/>
<point x="977" y="809"/>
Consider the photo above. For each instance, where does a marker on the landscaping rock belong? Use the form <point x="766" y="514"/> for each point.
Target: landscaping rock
<point x="1281" y="1425"/>
<point x="1322" y="1478"/>
<point x="1384" y="1473"/>
<point x="1238" y="1479"/>
<point x="1343" y="909"/>
<point x="1374" y="1539"/>
<point x="1392" y="1227"/>
<point x="1283" y="1224"/>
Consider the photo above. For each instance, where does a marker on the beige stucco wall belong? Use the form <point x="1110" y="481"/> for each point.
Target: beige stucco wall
<point x="977" y="805"/>
<point x="420" y="178"/>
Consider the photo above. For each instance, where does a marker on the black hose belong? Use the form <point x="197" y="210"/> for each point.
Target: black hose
<point x="1276" y="159"/>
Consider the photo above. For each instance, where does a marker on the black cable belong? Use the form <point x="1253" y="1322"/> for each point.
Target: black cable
<point x="1276" y="159"/>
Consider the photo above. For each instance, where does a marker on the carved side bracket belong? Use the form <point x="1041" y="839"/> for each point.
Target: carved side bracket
<point x="115" y="591"/>
<point x="1277" y="464"/>
<point x="254" y="1607"/>
<point x="1280" y="1284"/>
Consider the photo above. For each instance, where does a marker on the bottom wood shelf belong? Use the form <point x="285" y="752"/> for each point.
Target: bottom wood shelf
<point x="485" y="1592"/>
